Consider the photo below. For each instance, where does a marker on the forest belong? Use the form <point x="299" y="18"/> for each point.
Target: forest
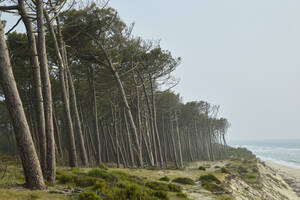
<point x="78" y="89"/>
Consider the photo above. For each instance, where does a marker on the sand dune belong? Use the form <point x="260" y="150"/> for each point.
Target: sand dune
<point x="290" y="175"/>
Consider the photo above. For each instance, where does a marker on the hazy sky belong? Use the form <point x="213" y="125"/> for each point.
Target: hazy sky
<point x="241" y="55"/>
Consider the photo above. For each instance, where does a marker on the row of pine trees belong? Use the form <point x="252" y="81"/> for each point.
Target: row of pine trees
<point x="80" y="90"/>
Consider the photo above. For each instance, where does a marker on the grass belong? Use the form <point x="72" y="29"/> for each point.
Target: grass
<point x="112" y="184"/>
<point x="24" y="194"/>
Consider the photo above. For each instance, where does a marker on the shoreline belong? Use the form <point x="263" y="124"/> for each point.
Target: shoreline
<point x="290" y="175"/>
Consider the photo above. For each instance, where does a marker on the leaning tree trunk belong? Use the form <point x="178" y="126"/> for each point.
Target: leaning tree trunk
<point x="128" y="110"/>
<point x="155" y="121"/>
<point x="66" y="105"/>
<point x="91" y="79"/>
<point x="51" y="165"/>
<point x="31" y="165"/>
<point x="131" y="121"/>
<point x="83" y="153"/>
<point x="37" y="84"/>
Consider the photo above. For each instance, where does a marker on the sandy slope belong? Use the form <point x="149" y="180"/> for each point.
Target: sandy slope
<point x="272" y="187"/>
<point x="290" y="175"/>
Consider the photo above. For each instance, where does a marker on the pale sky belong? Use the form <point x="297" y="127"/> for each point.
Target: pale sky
<point x="241" y="55"/>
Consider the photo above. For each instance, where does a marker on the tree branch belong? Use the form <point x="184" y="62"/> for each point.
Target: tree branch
<point x="14" y="26"/>
<point x="5" y="8"/>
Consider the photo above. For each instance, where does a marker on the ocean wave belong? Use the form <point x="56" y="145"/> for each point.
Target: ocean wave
<point x="289" y="157"/>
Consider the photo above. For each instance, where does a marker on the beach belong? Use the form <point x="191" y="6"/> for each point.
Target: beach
<point x="290" y="175"/>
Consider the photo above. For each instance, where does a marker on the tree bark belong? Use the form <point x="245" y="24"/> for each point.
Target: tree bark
<point x="31" y="165"/>
<point x="94" y="112"/>
<point x="66" y="104"/>
<point x="77" y="119"/>
<point x="51" y="165"/>
<point x="37" y="85"/>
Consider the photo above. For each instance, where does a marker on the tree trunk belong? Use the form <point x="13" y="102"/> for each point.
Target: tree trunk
<point x="155" y="122"/>
<point x="31" y="165"/>
<point x="51" y="165"/>
<point x="131" y="121"/>
<point x="94" y="112"/>
<point x="66" y="105"/>
<point x="77" y="120"/>
<point x="37" y="85"/>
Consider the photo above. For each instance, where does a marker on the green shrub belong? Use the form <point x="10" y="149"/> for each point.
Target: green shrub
<point x="183" y="180"/>
<point x="174" y="188"/>
<point x="161" y="194"/>
<point x="242" y="170"/>
<point x="120" y="175"/>
<point x="66" y="178"/>
<point x="33" y="196"/>
<point x="88" y="195"/>
<point x="154" y="185"/>
<point x="136" y="179"/>
<point x="76" y="171"/>
<point x="132" y="192"/>
<point x="181" y="195"/>
<point x="100" y="173"/>
<point x="212" y="187"/>
<point x="224" y="170"/>
<point x="99" y="185"/>
<point x="202" y="168"/>
<point x="165" y="178"/>
<point x="84" y="181"/>
<point x="102" y="166"/>
<point x="209" y="178"/>
<point x="255" y="170"/>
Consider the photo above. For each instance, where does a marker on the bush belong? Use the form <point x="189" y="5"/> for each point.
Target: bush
<point x="212" y="187"/>
<point x="224" y="170"/>
<point x="183" y="180"/>
<point x="242" y="170"/>
<point x="66" y="178"/>
<point x="88" y="195"/>
<point x="76" y="171"/>
<point x="209" y="178"/>
<point x="165" y="178"/>
<point x="102" y="166"/>
<point x="217" y="167"/>
<point x="132" y="192"/>
<point x="161" y="195"/>
<point x="202" y="168"/>
<point x="255" y="170"/>
<point x="174" y="188"/>
<point x="100" y="173"/>
<point x="84" y="181"/>
<point x="154" y="185"/>
<point x="181" y="195"/>
<point x="99" y="185"/>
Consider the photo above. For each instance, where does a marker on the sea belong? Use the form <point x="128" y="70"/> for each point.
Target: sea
<point x="284" y="152"/>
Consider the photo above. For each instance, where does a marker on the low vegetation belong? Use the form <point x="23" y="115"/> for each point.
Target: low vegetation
<point x="244" y="164"/>
<point x="211" y="183"/>
<point x="184" y="180"/>
<point x="165" y="178"/>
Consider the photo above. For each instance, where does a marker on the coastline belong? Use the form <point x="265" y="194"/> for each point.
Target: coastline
<point x="290" y="175"/>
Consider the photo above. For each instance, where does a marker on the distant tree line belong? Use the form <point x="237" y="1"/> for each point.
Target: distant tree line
<point x="80" y="90"/>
